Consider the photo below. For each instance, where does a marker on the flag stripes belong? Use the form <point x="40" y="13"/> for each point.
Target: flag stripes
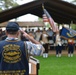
<point x="45" y="19"/>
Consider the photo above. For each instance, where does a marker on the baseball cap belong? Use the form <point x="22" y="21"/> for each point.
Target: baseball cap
<point x="12" y="26"/>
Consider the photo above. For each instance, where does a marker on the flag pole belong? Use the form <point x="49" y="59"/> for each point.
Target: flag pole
<point x="43" y="9"/>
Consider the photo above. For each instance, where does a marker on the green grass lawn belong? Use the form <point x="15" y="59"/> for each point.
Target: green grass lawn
<point x="57" y="66"/>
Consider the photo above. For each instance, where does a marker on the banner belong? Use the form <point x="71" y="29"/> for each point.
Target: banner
<point x="68" y="33"/>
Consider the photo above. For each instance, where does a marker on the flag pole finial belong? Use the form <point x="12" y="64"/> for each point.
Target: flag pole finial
<point x="43" y="6"/>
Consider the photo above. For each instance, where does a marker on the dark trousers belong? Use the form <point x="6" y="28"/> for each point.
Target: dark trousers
<point x="46" y="47"/>
<point x="58" y="49"/>
<point x="70" y="48"/>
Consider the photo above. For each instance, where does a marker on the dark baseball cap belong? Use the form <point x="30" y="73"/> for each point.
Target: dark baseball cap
<point x="12" y="26"/>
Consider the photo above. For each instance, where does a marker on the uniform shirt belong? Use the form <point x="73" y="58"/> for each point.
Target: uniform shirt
<point x="44" y="37"/>
<point x="58" y="40"/>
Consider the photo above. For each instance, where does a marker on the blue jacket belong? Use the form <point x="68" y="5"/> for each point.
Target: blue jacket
<point x="13" y="59"/>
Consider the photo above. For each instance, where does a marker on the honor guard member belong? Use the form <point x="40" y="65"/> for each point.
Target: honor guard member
<point x="44" y="41"/>
<point x="71" y="45"/>
<point x="13" y="60"/>
<point x="58" y="45"/>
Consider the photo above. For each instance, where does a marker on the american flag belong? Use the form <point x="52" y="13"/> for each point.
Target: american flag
<point x="51" y="21"/>
<point x="45" y="19"/>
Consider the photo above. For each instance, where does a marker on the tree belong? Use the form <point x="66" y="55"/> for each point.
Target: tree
<point x="7" y="4"/>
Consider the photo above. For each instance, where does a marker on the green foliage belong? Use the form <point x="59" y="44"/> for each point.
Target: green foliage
<point x="47" y="25"/>
<point x="6" y="4"/>
<point x="40" y="19"/>
<point x="73" y="26"/>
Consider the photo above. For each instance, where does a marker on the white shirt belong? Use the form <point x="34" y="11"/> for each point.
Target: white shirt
<point x="58" y="40"/>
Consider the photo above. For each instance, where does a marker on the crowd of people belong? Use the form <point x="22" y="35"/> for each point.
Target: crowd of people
<point x="44" y="38"/>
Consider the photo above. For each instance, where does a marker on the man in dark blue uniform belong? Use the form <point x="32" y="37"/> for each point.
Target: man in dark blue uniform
<point x="13" y="60"/>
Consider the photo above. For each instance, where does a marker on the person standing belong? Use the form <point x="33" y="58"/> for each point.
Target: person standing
<point x="58" y="45"/>
<point x="13" y="51"/>
<point x="70" y="47"/>
<point x="44" y="41"/>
